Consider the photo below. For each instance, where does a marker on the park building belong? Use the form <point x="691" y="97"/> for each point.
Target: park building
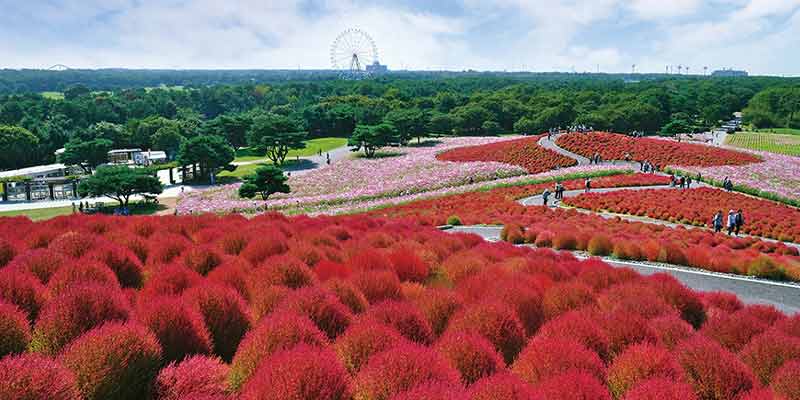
<point x="377" y="68"/>
<point x="729" y="73"/>
<point x="136" y="157"/>
<point x="41" y="182"/>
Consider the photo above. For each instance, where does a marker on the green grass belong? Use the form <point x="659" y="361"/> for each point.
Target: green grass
<point x="781" y="131"/>
<point x="771" y="142"/>
<point x="53" y="95"/>
<point x="313" y="146"/>
<point x="42" y="214"/>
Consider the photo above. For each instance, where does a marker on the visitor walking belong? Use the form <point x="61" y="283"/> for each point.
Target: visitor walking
<point x="717" y="221"/>
<point x="739" y="221"/>
<point x="588" y="185"/>
<point x="688" y="182"/>
<point x="545" y="196"/>
<point x="731" y="222"/>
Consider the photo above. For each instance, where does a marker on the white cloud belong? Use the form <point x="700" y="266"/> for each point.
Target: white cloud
<point x="660" y="9"/>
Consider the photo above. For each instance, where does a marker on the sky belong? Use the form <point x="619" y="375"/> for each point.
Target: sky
<point x="760" y="36"/>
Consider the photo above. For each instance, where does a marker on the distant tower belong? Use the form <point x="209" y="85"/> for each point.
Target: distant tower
<point x="705" y="71"/>
<point x="666" y="69"/>
<point x="633" y="69"/>
<point x="680" y="68"/>
<point x="687" y="70"/>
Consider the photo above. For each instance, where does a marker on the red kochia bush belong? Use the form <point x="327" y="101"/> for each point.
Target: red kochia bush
<point x="321" y="306"/>
<point x="545" y="358"/>
<point x="496" y="322"/>
<point x="72" y="244"/>
<point x="15" y="332"/>
<point x="438" y="305"/>
<point x="786" y="381"/>
<point x="433" y="391"/>
<point x="674" y="293"/>
<point x="563" y="297"/>
<point x="574" y="385"/>
<point x="264" y="298"/>
<point x="362" y="340"/>
<point x="400" y="369"/>
<point x="193" y="377"/>
<point x="23" y="290"/>
<point x="34" y="377"/>
<point x="378" y="286"/>
<point x="404" y="317"/>
<point x="201" y="259"/>
<point x="768" y="352"/>
<point x="81" y="272"/>
<point x="114" y="361"/>
<point x="670" y="330"/>
<point x="284" y="271"/>
<point x="639" y="363"/>
<point x="278" y="331"/>
<point x="502" y="386"/>
<point x="408" y="265"/>
<point x="348" y="294"/>
<point x="125" y="264"/>
<point x="326" y="269"/>
<point x="232" y="272"/>
<point x="582" y="326"/>
<point x="7" y="252"/>
<point x="733" y="331"/>
<point x="266" y="244"/>
<point x="625" y="329"/>
<point x="170" y="280"/>
<point x="75" y="312"/>
<point x="225" y="315"/>
<point x="713" y="372"/>
<point x="42" y="263"/>
<point x="304" y="372"/>
<point x="661" y="389"/>
<point x="471" y="354"/>
<point x="178" y="327"/>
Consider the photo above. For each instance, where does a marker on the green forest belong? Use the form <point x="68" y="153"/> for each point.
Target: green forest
<point x="116" y="110"/>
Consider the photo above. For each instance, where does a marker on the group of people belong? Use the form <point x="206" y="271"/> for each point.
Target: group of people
<point x="552" y="132"/>
<point x="596" y="159"/>
<point x="646" y="166"/>
<point x="684" y="182"/>
<point x="734" y="221"/>
<point x="558" y="190"/>
<point x="727" y="184"/>
<point x="580" y="128"/>
<point x="636" y="134"/>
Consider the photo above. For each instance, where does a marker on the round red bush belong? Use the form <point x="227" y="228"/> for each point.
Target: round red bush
<point x="15" y="331"/>
<point x="276" y="332"/>
<point x="304" y="372"/>
<point x="42" y="263"/>
<point x="23" y="290"/>
<point x="579" y="325"/>
<point x="378" y="285"/>
<point x="232" y="272"/>
<point x="321" y="306"/>
<point x="362" y="340"/>
<point x="545" y="358"/>
<point x="462" y="265"/>
<point x="170" y="280"/>
<point x="724" y="301"/>
<point x="625" y="329"/>
<point x="684" y="300"/>
<point x="471" y="354"/>
<point x="404" y="317"/>
<point x="733" y="331"/>
<point x="348" y="294"/>
<point x="661" y="389"/>
<point x="326" y="269"/>
<point x="768" y="352"/>
<point x="437" y="305"/>
<point x="72" y="244"/>
<point x="266" y="244"/>
<point x="193" y="377"/>
<point x="789" y="326"/>
<point x="639" y="363"/>
<point x="526" y="299"/>
<point x="7" y="252"/>
<point x="179" y="328"/>
<point x="202" y="259"/>
<point x="399" y="369"/>
<point x="81" y="272"/>
<point x="264" y="298"/>
<point x="74" y="312"/>
<point x="114" y="361"/>
<point x="225" y="315"/>
<point x="34" y="377"/>
<point x="786" y="381"/>
<point x="713" y="372"/>
<point x="566" y="296"/>
<point x="502" y="386"/>
<point x="124" y="262"/>
<point x="408" y="265"/>
<point x="575" y="385"/>
<point x="634" y="298"/>
<point x="670" y="330"/>
<point x="284" y="271"/>
<point x="433" y="391"/>
<point x="496" y="322"/>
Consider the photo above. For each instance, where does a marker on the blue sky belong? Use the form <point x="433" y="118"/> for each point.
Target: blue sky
<point x="762" y="36"/>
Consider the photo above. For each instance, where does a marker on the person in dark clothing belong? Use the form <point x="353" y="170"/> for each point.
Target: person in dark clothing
<point x="717" y="221"/>
<point x="688" y="182"/>
<point x="588" y="185"/>
<point x="739" y="221"/>
<point x="731" y="222"/>
<point x="545" y="196"/>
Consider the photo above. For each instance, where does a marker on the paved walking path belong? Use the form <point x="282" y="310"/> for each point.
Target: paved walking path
<point x="308" y="163"/>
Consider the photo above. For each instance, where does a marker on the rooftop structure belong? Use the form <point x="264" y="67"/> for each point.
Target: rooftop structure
<point x="37" y="172"/>
<point x="724" y="73"/>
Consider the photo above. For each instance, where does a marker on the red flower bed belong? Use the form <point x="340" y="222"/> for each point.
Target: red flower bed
<point x="662" y="153"/>
<point x="517" y="322"/>
<point x="697" y="207"/>
<point x="525" y="153"/>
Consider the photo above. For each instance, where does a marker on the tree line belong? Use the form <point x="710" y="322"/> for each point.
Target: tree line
<point x="276" y="117"/>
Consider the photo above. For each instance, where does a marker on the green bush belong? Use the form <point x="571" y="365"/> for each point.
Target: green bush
<point x="453" y="220"/>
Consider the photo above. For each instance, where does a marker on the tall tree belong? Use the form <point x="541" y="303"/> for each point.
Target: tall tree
<point x="120" y="182"/>
<point x="86" y="154"/>
<point x="276" y="135"/>
<point x="409" y="122"/>
<point x="267" y="180"/>
<point x="211" y="152"/>
<point x="168" y="139"/>
<point x="233" y="127"/>
<point x="373" y="137"/>
<point x="16" y="144"/>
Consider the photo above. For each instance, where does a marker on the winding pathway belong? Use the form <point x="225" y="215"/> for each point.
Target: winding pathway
<point x="784" y="296"/>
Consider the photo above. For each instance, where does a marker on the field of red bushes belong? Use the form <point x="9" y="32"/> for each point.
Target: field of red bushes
<point x="662" y="153"/>
<point x="697" y="207"/>
<point x="572" y="230"/>
<point x="359" y="308"/>
<point x="525" y="153"/>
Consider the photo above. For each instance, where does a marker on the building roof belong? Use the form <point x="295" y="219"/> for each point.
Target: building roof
<point x="37" y="170"/>
<point x="120" y="151"/>
<point x="155" y="154"/>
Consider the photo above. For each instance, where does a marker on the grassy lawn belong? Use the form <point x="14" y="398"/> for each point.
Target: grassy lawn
<point x="53" y="95"/>
<point x="41" y="214"/>
<point x="771" y="142"/>
<point x="312" y="147"/>
<point x="781" y="131"/>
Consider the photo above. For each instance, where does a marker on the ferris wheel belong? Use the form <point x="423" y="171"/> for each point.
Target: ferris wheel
<point x="352" y="51"/>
